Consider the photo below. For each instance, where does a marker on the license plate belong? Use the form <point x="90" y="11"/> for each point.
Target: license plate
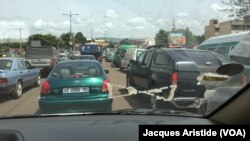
<point x="76" y="90"/>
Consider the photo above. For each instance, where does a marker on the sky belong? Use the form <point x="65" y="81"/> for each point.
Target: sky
<point x="110" y="18"/>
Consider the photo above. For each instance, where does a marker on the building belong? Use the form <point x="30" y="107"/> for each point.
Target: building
<point x="228" y="27"/>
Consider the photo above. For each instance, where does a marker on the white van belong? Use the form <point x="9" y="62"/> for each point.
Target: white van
<point x="131" y="54"/>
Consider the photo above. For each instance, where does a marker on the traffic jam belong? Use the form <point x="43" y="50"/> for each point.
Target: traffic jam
<point x="80" y="81"/>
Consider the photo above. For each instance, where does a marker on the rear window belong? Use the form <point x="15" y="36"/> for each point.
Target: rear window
<point x="87" y="57"/>
<point x="77" y="70"/>
<point x="201" y="58"/>
<point x="5" y="64"/>
<point x="90" y="48"/>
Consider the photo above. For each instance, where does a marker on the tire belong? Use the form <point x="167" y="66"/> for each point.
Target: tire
<point x="121" y="68"/>
<point x="129" y="81"/>
<point x="38" y="81"/>
<point x="18" y="90"/>
<point x="153" y="100"/>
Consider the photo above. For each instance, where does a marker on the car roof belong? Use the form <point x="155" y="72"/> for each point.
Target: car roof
<point x="88" y="55"/>
<point x="87" y="61"/>
<point x="11" y="58"/>
<point x="127" y="46"/>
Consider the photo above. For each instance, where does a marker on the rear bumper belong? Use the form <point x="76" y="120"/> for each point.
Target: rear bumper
<point x="7" y="89"/>
<point x="49" y="106"/>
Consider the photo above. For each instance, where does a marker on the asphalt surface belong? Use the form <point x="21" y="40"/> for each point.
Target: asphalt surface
<point x="27" y="104"/>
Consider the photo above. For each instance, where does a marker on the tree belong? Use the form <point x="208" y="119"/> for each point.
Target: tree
<point x="200" y="38"/>
<point x="161" y="38"/>
<point x="125" y="42"/>
<point x="237" y="8"/>
<point x="46" y="40"/>
<point x="79" y="38"/>
<point x="111" y="45"/>
<point x="65" y="37"/>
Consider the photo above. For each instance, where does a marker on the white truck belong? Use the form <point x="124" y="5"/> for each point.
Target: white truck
<point x="43" y="57"/>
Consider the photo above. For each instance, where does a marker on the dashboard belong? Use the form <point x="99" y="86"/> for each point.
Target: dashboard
<point x="87" y="127"/>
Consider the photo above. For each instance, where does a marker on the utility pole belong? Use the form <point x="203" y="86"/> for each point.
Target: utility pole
<point x="105" y="36"/>
<point x="20" y="38"/>
<point x="70" y="30"/>
<point x="91" y="32"/>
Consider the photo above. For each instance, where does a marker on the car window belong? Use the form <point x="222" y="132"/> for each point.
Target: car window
<point x="160" y="59"/>
<point x="203" y="58"/>
<point x="28" y="65"/>
<point x="140" y="58"/>
<point x="5" y="64"/>
<point x="147" y="60"/>
<point x="221" y="50"/>
<point x="22" y="65"/>
<point x="77" y="69"/>
<point x="138" y="52"/>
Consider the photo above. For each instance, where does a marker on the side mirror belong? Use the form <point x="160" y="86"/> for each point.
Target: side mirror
<point x="230" y="69"/>
<point x="106" y="71"/>
<point x="132" y="62"/>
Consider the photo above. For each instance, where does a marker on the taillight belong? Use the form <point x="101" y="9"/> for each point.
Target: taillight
<point x="243" y="79"/>
<point x="53" y="61"/>
<point x="174" y="78"/>
<point x="45" y="90"/>
<point x="105" y="86"/>
<point x="3" y="80"/>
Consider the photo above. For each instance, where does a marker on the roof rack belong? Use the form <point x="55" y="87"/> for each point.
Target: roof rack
<point x="157" y="46"/>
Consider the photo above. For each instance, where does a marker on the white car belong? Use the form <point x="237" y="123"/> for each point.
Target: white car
<point x="74" y="54"/>
<point x="131" y="54"/>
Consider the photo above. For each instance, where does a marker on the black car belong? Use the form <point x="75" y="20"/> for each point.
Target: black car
<point x="160" y="67"/>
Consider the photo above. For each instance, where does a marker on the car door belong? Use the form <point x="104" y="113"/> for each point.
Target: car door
<point x="26" y="78"/>
<point x="140" y="71"/>
<point x="162" y="68"/>
<point x="32" y="73"/>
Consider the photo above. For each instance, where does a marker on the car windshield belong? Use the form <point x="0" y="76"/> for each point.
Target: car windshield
<point x="117" y="55"/>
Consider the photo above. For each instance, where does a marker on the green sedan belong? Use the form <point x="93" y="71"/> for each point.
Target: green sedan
<point x="76" y="86"/>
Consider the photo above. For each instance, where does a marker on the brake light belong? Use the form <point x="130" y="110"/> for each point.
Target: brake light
<point x="53" y="60"/>
<point x="244" y="79"/>
<point x="3" y="80"/>
<point x="45" y="90"/>
<point x="174" y="78"/>
<point x="105" y="86"/>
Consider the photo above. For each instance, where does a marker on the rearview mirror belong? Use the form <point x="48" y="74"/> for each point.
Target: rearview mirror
<point x="230" y="69"/>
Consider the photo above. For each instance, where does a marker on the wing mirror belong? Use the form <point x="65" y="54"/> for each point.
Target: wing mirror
<point x="132" y="62"/>
<point x="230" y="69"/>
<point x="106" y="71"/>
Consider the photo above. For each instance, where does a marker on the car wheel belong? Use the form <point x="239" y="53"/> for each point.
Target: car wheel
<point x="121" y="68"/>
<point x="153" y="100"/>
<point x="38" y="81"/>
<point x="129" y="81"/>
<point x="18" y="90"/>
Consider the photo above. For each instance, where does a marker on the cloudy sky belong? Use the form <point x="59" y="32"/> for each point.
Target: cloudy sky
<point x="115" y="18"/>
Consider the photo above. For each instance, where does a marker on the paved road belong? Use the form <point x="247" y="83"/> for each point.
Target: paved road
<point x="28" y="103"/>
